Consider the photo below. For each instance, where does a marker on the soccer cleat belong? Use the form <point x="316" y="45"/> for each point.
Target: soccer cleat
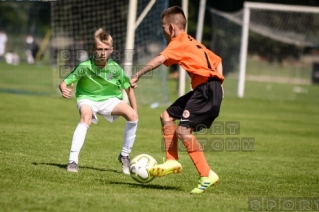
<point x="168" y="167"/>
<point x="205" y="182"/>
<point x="125" y="160"/>
<point x="72" y="167"/>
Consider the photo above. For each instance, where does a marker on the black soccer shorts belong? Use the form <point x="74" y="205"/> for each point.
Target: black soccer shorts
<point x="198" y="108"/>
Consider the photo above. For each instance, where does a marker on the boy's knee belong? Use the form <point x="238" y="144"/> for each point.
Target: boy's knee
<point x="183" y="133"/>
<point x="86" y="118"/>
<point x="184" y="137"/>
<point x="165" y="117"/>
<point x="132" y="116"/>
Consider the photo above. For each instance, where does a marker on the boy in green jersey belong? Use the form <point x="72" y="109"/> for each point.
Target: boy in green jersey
<point x="98" y="91"/>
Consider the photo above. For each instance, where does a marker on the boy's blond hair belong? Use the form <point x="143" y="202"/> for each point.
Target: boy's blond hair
<point x="175" y="15"/>
<point x="101" y="36"/>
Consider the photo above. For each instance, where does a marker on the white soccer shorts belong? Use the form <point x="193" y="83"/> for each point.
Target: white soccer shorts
<point x="104" y="108"/>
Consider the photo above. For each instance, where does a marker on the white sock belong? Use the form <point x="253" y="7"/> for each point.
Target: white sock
<point x="77" y="142"/>
<point x="129" y="137"/>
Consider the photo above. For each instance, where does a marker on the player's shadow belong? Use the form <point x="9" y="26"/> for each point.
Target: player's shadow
<point x="63" y="166"/>
<point x="147" y="186"/>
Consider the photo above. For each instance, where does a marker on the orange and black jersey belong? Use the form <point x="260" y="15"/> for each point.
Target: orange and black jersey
<point x="199" y="62"/>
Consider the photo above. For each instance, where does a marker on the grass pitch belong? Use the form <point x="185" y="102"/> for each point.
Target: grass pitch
<point x="35" y="139"/>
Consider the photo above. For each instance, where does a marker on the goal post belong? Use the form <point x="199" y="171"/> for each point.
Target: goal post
<point x="181" y="71"/>
<point x="248" y="6"/>
<point x="132" y="24"/>
<point x="268" y="50"/>
<point x="243" y="52"/>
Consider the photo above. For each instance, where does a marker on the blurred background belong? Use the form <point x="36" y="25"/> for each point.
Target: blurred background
<point x="42" y="41"/>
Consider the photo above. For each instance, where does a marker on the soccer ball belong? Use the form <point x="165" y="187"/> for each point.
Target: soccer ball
<point x="139" y="168"/>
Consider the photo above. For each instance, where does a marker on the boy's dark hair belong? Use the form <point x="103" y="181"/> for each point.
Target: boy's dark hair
<point x="175" y="15"/>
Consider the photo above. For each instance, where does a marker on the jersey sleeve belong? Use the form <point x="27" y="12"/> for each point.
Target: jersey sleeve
<point x="124" y="80"/>
<point x="74" y="76"/>
<point x="172" y="53"/>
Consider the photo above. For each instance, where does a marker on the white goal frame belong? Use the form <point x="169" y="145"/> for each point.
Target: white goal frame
<point x="132" y="24"/>
<point x="245" y="33"/>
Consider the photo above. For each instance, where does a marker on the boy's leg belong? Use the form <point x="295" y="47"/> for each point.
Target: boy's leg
<point x="194" y="148"/>
<point x="129" y="137"/>
<point x="79" y="137"/>
<point x="169" y="136"/>
<point x="123" y="109"/>
<point x="200" y="112"/>
<point x="169" y="127"/>
<point x="128" y="142"/>
<point x="171" y="166"/>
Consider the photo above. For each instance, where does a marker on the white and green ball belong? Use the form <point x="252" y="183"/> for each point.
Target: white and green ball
<point x="140" y="166"/>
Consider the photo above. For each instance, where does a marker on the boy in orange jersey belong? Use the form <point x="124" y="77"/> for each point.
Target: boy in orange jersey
<point x="196" y="109"/>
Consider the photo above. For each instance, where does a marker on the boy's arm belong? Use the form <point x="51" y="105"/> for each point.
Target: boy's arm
<point x="220" y="70"/>
<point x="67" y="85"/>
<point x="65" y="90"/>
<point x="131" y="98"/>
<point x="153" y="64"/>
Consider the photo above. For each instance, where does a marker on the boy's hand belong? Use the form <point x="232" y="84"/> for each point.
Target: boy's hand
<point x="66" y="92"/>
<point x="134" y="81"/>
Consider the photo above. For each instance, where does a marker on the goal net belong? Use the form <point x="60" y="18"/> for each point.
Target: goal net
<point x="73" y="23"/>
<point x="269" y="50"/>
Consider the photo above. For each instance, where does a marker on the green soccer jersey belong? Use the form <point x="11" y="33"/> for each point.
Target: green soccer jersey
<point x="98" y="84"/>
